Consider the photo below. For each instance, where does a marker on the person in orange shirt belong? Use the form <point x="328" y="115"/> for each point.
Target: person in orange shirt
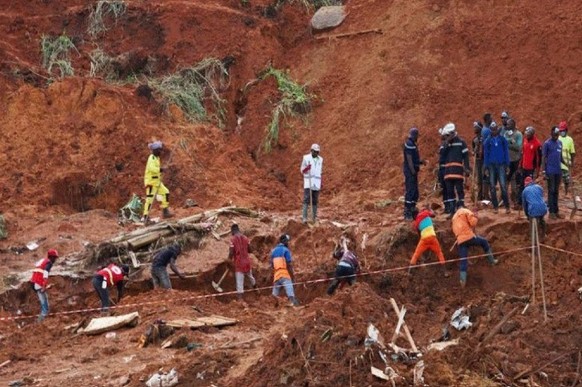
<point x="428" y="240"/>
<point x="282" y="265"/>
<point x="464" y="223"/>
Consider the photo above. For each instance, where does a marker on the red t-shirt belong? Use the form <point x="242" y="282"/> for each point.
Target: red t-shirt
<point x="240" y="245"/>
<point x="530" y="158"/>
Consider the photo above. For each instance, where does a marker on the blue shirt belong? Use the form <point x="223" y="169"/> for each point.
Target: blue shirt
<point x="532" y="198"/>
<point x="485" y="132"/>
<point x="411" y="149"/>
<point x="552" y="152"/>
<point x="281" y="251"/>
<point x="495" y="151"/>
<point x="163" y="258"/>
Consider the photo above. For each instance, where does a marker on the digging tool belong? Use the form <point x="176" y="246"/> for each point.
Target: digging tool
<point x="216" y="286"/>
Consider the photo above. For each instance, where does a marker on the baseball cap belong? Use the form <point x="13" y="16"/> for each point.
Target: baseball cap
<point x="155" y="145"/>
<point x="563" y="126"/>
<point x="528" y="180"/>
<point x="315" y="147"/>
<point x="504" y="115"/>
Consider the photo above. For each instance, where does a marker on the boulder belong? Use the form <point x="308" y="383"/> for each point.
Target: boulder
<point x="328" y="17"/>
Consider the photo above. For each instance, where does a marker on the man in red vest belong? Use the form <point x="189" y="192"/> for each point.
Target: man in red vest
<point x="107" y="277"/>
<point x="239" y="252"/>
<point x="39" y="281"/>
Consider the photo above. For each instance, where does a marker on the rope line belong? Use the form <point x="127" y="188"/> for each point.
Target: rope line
<point x="306" y="282"/>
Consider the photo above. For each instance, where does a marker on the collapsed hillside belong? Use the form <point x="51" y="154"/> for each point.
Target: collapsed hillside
<point x="75" y="149"/>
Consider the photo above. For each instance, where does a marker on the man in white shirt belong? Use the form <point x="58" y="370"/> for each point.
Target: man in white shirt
<point x="311" y="168"/>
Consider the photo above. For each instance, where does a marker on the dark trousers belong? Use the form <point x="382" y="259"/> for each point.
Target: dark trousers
<point x="315" y="196"/>
<point x="347" y="275"/>
<point x="441" y="177"/>
<point x="479" y="173"/>
<point x="464" y="249"/>
<point x="455" y="194"/>
<point x="102" y="293"/>
<point x="512" y="178"/>
<point x="411" y="193"/>
<point x="553" y="192"/>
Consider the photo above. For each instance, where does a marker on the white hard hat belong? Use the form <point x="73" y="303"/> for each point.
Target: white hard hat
<point x="315" y="147"/>
<point x="449" y="129"/>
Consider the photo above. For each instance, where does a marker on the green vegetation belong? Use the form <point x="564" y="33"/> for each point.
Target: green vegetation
<point x="101" y="64"/>
<point x="56" y="54"/>
<point x="294" y="100"/>
<point x="190" y="87"/>
<point x="102" y="9"/>
<point x="312" y="4"/>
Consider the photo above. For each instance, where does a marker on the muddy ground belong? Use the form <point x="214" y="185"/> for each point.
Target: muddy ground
<point x="74" y="150"/>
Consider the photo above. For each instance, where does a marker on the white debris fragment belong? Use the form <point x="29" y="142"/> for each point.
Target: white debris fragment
<point x="460" y="319"/>
<point x="163" y="380"/>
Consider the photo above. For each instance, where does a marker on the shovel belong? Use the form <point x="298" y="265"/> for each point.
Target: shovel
<point x="216" y="286"/>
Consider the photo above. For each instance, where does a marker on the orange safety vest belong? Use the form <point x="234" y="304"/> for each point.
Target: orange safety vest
<point x="280" y="269"/>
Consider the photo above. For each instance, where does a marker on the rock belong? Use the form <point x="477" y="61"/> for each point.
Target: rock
<point x="328" y="17"/>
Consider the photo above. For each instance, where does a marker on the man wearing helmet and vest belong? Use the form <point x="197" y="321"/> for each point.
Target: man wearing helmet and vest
<point x="153" y="183"/>
<point x="106" y="278"/>
<point x="568" y="153"/>
<point x="311" y="169"/>
<point x="39" y="281"/>
<point x="456" y="156"/>
<point x="282" y="265"/>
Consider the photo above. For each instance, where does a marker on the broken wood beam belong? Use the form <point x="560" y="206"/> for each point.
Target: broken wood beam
<point x="531" y="370"/>
<point x="5" y="363"/>
<point x="497" y="327"/>
<point x="406" y="330"/>
<point x="348" y="34"/>
<point x="147" y="239"/>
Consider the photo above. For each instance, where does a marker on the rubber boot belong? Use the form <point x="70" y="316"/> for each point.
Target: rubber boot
<point x="463" y="278"/>
<point x="491" y="259"/>
<point x="304" y="215"/>
<point x="166" y="213"/>
<point x="294" y="301"/>
<point x="314" y="208"/>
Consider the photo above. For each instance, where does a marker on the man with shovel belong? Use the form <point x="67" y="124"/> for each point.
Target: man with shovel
<point x="311" y="168"/>
<point x="155" y="189"/>
<point x="239" y="252"/>
<point x="281" y="263"/>
<point x="166" y="256"/>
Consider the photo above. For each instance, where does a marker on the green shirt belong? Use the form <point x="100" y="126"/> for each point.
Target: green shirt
<point x="567" y="151"/>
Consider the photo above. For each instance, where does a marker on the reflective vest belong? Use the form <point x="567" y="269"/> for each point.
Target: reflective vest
<point x="152" y="175"/>
<point x="112" y="274"/>
<point x="40" y="273"/>
<point x="280" y="269"/>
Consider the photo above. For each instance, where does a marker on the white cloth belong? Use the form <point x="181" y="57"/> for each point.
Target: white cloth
<point x="314" y="173"/>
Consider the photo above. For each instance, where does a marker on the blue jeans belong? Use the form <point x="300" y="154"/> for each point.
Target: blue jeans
<point x="44" y="304"/>
<point x="497" y="174"/>
<point x="102" y="293"/>
<point x="464" y="250"/>
<point x="161" y="278"/>
<point x="285" y="283"/>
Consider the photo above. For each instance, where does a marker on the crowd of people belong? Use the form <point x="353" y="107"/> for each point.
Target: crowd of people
<point x="502" y="158"/>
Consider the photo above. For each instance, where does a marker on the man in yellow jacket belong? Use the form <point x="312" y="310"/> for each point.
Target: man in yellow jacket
<point x="155" y="189"/>
<point x="464" y="223"/>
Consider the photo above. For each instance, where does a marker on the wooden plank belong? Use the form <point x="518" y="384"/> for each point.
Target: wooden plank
<point x="209" y="321"/>
<point x="104" y="324"/>
<point x="406" y="330"/>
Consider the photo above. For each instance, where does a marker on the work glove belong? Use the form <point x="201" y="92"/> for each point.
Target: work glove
<point x="306" y="169"/>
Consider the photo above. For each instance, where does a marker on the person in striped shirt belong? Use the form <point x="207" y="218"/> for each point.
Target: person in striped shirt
<point x="428" y="240"/>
